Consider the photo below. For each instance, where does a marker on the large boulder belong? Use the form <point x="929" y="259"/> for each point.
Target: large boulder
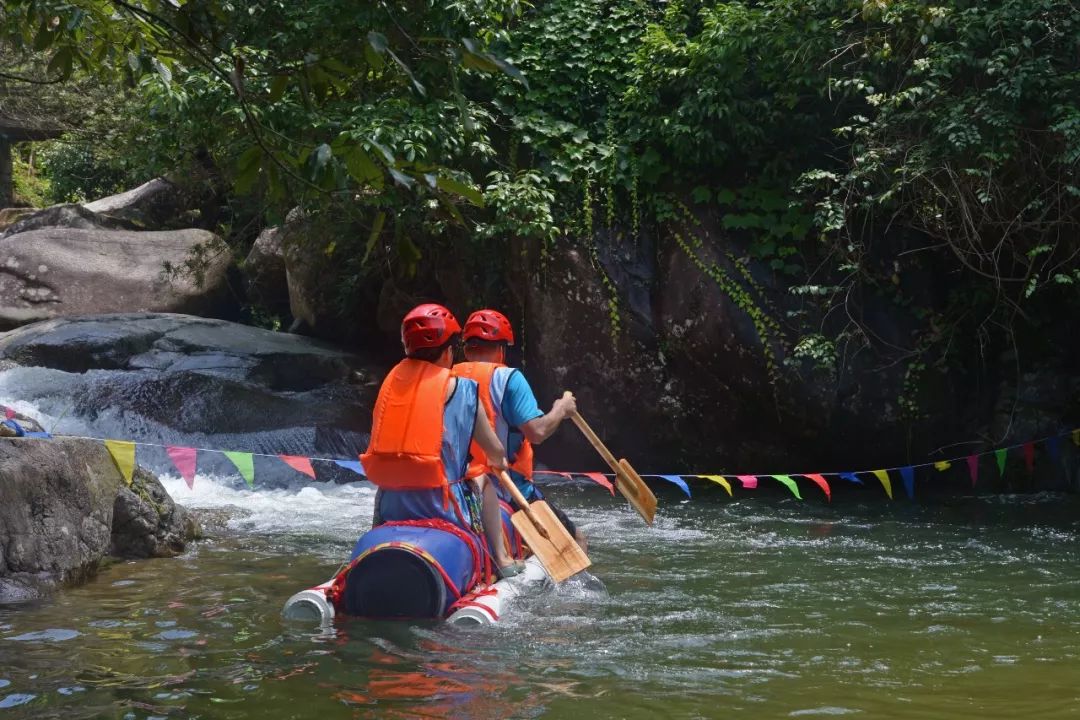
<point x="9" y="216"/>
<point x="64" y="507"/>
<point x="71" y="216"/>
<point x="55" y="272"/>
<point x="154" y="205"/>
<point x="185" y="380"/>
<point x="264" y="273"/>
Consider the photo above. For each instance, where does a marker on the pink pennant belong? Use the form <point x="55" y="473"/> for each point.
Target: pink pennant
<point x="300" y="464"/>
<point x="599" y="479"/>
<point x="748" y="481"/>
<point x="184" y="460"/>
<point x="8" y="413"/>
<point x="821" y="483"/>
<point x="1029" y="457"/>
<point x="973" y="468"/>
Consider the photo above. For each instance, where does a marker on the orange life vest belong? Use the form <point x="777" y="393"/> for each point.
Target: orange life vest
<point x="482" y="373"/>
<point x="405" y="452"/>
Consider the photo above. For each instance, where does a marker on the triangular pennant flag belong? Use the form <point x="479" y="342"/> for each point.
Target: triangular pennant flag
<point x="973" y="468"/>
<point x="184" y="460"/>
<point x="8" y="413"/>
<point x="791" y="485"/>
<point x="245" y="463"/>
<point x="851" y="477"/>
<point x="123" y="454"/>
<point x="1053" y="448"/>
<point x="719" y="480"/>
<point x="678" y="481"/>
<point x="883" y="476"/>
<point x="601" y="480"/>
<point x="353" y="465"/>
<point x="942" y="465"/>
<point x="1000" y="455"/>
<point x="821" y="483"/>
<point x="908" y="474"/>
<point x="1029" y="457"/>
<point x="299" y="464"/>
<point x="748" y="481"/>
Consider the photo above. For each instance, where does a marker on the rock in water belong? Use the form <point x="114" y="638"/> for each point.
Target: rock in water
<point x="55" y="272"/>
<point x="64" y="507"/>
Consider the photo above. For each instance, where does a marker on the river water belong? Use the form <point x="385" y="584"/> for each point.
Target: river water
<point x="961" y="607"/>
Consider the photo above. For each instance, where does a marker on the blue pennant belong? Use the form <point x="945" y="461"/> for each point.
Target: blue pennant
<point x="353" y="465"/>
<point x="851" y="477"/>
<point x="908" y="474"/>
<point x="1053" y="447"/>
<point x="678" y="481"/>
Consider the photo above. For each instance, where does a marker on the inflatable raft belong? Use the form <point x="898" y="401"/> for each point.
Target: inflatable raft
<point x="418" y="569"/>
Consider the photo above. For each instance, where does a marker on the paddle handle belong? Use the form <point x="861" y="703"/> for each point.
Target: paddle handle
<point x="596" y="442"/>
<point x="522" y="503"/>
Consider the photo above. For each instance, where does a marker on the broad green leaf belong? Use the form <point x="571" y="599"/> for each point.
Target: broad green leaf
<point x="362" y="168"/>
<point x="468" y="192"/>
<point x="277" y="87"/>
<point x="373" y="236"/>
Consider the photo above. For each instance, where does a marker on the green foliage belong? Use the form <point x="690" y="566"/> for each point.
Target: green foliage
<point x="32" y="187"/>
<point x="852" y="151"/>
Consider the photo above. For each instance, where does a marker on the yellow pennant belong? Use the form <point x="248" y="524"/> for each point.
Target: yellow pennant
<point x="883" y="476"/>
<point x="719" y="480"/>
<point x="943" y="465"/>
<point x="123" y="454"/>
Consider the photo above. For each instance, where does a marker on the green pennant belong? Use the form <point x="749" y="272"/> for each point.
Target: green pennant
<point x="1000" y="455"/>
<point x="245" y="463"/>
<point x="791" y="485"/>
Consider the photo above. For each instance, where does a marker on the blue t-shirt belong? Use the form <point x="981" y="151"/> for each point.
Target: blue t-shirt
<point x="519" y="406"/>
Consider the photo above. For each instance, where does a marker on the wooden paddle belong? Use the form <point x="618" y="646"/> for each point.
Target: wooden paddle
<point x="558" y="552"/>
<point x="630" y="484"/>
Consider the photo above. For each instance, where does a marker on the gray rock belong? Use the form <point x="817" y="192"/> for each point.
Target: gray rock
<point x="71" y="216"/>
<point x="197" y="382"/>
<point x="153" y="205"/>
<point x="264" y="273"/>
<point x="59" y="500"/>
<point x="56" y="272"/>
<point x="9" y="216"/>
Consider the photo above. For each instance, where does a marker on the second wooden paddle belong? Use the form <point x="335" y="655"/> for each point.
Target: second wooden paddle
<point x="630" y="484"/>
<point x="557" y="550"/>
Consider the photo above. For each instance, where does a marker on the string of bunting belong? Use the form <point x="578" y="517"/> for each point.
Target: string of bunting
<point x="185" y="460"/>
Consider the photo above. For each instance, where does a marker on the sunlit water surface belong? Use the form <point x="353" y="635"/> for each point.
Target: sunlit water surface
<point x="764" y="608"/>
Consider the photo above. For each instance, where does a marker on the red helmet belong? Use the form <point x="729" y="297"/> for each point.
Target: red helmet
<point x="490" y="325"/>
<point x="428" y="326"/>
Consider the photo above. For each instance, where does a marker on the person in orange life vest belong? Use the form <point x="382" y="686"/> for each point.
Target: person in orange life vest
<point x="511" y="406"/>
<point x="422" y="426"/>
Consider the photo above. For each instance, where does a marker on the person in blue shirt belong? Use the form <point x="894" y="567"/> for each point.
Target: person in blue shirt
<point x="510" y="404"/>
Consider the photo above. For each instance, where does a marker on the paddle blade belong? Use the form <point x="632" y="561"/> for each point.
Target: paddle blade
<point x="635" y="490"/>
<point x="560" y="555"/>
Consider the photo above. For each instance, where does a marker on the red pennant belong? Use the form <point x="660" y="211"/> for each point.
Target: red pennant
<point x="973" y="468"/>
<point x="599" y="479"/>
<point x="748" y="481"/>
<point x="184" y="460"/>
<point x="1029" y="457"/>
<point x="300" y="464"/>
<point x="8" y="413"/>
<point x="821" y="483"/>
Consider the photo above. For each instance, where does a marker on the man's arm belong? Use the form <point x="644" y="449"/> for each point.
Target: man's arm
<point x="540" y="429"/>
<point x="487" y="440"/>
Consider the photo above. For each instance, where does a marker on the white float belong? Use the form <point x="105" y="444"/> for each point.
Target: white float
<point x="485" y="606"/>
